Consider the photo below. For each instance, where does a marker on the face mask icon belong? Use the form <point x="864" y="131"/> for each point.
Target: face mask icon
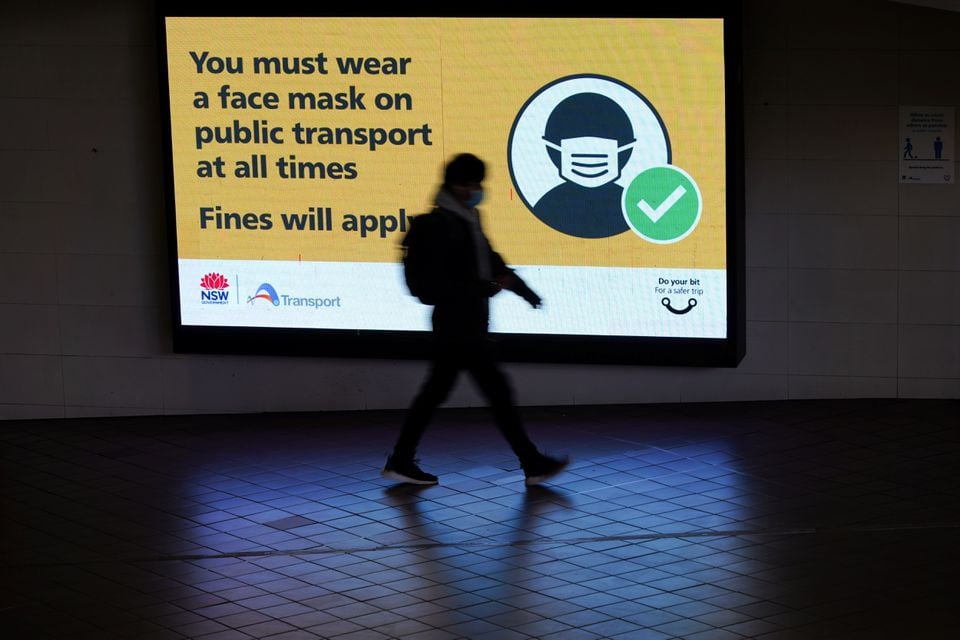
<point x="589" y="161"/>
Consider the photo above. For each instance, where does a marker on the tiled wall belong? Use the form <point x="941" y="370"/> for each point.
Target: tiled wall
<point x="866" y="268"/>
<point x="853" y="281"/>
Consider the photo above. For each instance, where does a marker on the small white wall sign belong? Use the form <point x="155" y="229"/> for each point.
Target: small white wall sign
<point x="926" y="145"/>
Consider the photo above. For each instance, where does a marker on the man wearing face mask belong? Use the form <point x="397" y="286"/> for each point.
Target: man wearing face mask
<point x="589" y="138"/>
<point x="464" y="272"/>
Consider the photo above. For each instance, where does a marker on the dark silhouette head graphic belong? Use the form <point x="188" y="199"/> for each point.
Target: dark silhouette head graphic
<point x="589" y="138"/>
<point x="575" y="146"/>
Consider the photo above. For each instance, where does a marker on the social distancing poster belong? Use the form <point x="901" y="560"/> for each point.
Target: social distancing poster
<point x="302" y="147"/>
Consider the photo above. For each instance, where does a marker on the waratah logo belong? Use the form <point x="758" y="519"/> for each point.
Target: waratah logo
<point x="214" y="287"/>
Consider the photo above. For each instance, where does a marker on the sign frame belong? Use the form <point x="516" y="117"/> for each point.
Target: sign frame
<point x="581" y="349"/>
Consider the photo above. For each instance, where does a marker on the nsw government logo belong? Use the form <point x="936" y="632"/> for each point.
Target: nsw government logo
<point x="214" y="287"/>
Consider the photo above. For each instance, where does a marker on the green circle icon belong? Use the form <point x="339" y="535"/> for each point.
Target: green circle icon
<point x="662" y="204"/>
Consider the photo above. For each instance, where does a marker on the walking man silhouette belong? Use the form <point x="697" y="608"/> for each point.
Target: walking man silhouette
<point x="460" y="272"/>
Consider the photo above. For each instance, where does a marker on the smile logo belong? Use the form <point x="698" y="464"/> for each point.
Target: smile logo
<point x="691" y="303"/>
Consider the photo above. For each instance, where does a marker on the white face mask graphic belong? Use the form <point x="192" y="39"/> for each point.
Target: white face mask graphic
<point x="589" y="161"/>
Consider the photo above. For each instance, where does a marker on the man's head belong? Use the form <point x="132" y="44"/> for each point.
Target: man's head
<point x="463" y="178"/>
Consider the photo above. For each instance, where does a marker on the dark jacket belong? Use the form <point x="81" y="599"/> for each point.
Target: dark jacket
<point x="454" y="286"/>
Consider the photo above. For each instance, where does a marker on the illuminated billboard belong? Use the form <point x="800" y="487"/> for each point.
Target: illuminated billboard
<point x="301" y="146"/>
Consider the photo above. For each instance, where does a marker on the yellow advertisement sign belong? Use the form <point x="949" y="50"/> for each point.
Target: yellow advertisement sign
<point x="316" y="139"/>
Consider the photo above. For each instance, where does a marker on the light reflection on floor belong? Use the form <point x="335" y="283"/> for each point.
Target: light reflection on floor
<point x="755" y="520"/>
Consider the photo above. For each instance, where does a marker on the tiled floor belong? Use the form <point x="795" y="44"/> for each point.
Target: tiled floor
<point x="743" y="520"/>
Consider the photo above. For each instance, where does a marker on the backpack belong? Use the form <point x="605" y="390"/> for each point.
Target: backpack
<point x="419" y="258"/>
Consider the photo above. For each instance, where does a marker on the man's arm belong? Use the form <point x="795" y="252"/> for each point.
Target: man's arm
<point x="512" y="282"/>
<point x="507" y="278"/>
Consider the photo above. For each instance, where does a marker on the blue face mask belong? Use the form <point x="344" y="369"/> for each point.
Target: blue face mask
<point x="476" y="197"/>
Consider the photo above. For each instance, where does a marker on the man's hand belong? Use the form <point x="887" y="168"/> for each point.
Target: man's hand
<point x="513" y="283"/>
<point x="532" y="298"/>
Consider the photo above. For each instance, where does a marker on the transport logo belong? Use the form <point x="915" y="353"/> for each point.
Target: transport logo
<point x="265" y="292"/>
<point x="268" y="293"/>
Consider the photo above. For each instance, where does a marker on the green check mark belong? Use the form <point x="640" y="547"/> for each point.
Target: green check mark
<point x="662" y="204"/>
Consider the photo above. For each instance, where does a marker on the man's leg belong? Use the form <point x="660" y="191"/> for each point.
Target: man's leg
<point x="537" y="467"/>
<point x="494" y="385"/>
<point x="435" y="390"/>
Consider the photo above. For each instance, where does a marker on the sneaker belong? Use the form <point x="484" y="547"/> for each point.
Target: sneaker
<point x="407" y="471"/>
<point x="544" y="468"/>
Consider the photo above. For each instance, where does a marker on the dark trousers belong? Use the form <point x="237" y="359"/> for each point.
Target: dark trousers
<point x="475" y="356"/>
